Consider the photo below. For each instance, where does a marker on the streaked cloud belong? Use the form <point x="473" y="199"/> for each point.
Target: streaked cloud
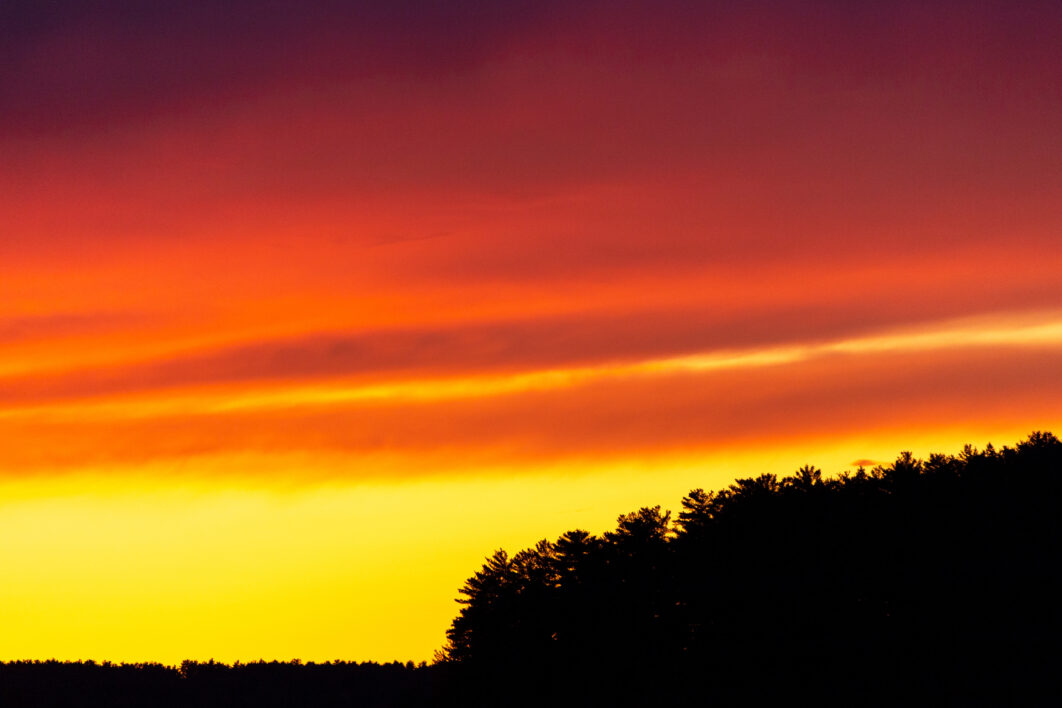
<point x="962" y="371"/>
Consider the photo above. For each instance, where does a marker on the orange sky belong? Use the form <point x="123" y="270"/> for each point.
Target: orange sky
<point x="303" y="312"/>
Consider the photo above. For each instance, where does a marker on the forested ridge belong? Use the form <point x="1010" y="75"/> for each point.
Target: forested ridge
<point x="934" y="581"/>
<point x="930" y="581"/>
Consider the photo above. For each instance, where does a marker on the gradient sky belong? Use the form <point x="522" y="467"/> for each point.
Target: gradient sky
<point x="304" y="311"/>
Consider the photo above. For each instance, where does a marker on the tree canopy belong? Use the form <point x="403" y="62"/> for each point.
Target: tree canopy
<point x="924" y="580"/>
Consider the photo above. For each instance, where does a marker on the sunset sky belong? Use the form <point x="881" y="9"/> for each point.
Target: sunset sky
<point x="306" y="310"/>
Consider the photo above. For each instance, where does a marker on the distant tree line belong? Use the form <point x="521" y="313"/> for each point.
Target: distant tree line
<point x="62" y="684"/>
<point x="921" y="582"/>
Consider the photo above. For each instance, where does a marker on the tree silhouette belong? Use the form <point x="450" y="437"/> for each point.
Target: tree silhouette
<point x="923" y="580"/>
<point x="931" y="581"/>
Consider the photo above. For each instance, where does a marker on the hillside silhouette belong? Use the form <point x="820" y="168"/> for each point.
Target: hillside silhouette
<point x="922" y="582"/>
<point x="927" y="582"/>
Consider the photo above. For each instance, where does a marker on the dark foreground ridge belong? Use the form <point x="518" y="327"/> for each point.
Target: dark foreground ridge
<point x="921" y="582"/>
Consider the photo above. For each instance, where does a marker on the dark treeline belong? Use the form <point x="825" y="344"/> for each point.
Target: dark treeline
<point x="46" y="684"/>
<point x="921" y="582"/>
<point x="926" y="582"/>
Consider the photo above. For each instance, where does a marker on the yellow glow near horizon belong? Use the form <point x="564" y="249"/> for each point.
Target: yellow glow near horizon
<point x="134" y="567"/>
<point x="321" y="553"/>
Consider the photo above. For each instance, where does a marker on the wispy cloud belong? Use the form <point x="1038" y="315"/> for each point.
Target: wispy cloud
<point x="954" y="371"/>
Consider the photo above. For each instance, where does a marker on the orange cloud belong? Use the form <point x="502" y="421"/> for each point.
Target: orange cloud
<point x="604" y="411"/>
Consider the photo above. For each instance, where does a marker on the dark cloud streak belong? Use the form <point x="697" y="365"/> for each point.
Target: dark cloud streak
<point x="58" y="325"/>
<point x="475" y="349"/>
<point x="81" y="64"/>
<point x="74" y="64"/>
<point x="825" y="398"/>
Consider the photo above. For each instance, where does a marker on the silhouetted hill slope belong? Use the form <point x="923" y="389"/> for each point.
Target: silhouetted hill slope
<point x="933" y="581"/>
